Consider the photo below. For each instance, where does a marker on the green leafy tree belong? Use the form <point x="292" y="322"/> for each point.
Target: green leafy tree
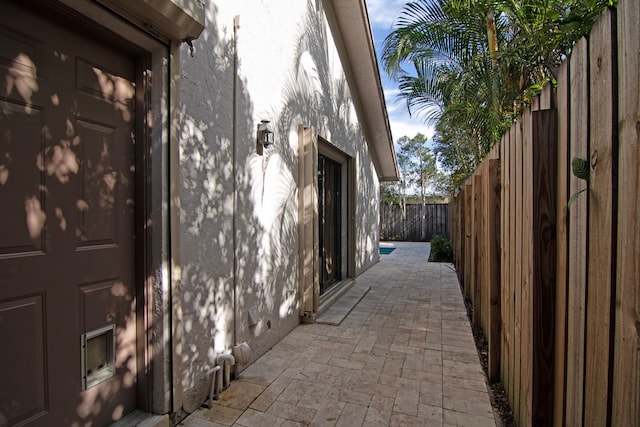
<point x="440" y="56"/>
<point x="390" y="192"/>
<point x="418" y="165"/>
<point x="469" y="66"/>
<point x="420" y="177"/>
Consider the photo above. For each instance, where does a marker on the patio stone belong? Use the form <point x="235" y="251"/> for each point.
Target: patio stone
<point x="352" y="415"/>
<point x="400" y="354"/>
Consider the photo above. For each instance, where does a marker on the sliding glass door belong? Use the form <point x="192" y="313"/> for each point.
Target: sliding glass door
<point x="330" y="217"/>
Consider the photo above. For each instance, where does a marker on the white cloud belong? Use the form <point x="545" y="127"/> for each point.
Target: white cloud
<point x="391" y="94"/>
<point x="401" y="123"/>
<point x="408" y="126"/>
<point x="394" y="109"/>
<point x="382" y="13"/>
<point x="395" y="105"/>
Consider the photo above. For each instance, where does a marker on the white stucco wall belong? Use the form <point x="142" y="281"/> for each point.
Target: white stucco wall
<point x="367" y="213"/>
<point x="289" y="73"/>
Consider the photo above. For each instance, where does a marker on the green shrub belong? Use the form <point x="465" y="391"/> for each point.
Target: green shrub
<point x="441" y="250"/>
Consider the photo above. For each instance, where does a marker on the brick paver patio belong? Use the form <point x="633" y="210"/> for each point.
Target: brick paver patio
<point x="404" y="355"/>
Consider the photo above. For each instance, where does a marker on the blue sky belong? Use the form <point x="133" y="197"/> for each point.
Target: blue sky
<point x="382" y="14"/>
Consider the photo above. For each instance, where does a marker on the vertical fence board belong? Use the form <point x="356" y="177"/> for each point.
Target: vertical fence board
<point x="492" y="268"/>
<point x="561" y="244"/>
<point x="526" y="321"/>
<point x="512" y="270"/>
<point x="410" y="230"/>
<point x="544" y="262"/>
<point x="468" y="244"/>
<point x="421" y="226"/>
<point x="445" y="219"/>
<point x="451" y="212"/>
<point x="506" y="266"/>
<point x="626" y="374"/>
<point x="486" y="296"/>
<point x="470" y="237"/>
<point x="461" y="238"/>
<point x="439" y="222"/>
<point x="478" y="239"/>
<point x="601" y="200"/>
<point x="484" y="248"/>
<point x="578" y="218"/>
<point x="415" y="233"/>
<point x="495" y="277"/>
<point x="517" y="373"/>
<point x="546" y="98"/>
<point x="504" y="262"/>
<point x="432" y="219"/>
<point x="426" y="222"/>
<point x="429" y="219"/>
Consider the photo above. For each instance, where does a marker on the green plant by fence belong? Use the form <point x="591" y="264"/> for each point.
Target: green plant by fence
<point x="556" y="288"/>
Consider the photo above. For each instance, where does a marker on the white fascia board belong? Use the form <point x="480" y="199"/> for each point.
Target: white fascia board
<point x="351" y="30"/>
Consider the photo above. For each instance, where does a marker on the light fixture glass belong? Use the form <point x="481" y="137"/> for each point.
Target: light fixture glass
<point x="265" y="133"/>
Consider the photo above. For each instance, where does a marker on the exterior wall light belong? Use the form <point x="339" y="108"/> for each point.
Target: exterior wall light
<point x="265" y="134"/>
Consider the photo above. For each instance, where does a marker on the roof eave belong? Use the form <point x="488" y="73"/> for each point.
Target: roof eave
<point x="349" y="22"/>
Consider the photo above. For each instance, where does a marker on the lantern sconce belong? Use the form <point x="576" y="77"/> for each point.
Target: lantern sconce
<point x="265" y="134"/>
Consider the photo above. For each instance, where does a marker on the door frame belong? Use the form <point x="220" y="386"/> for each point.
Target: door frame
<point x="157" y="101"/>
<point x="348" y="202"/>
<point x="310" y="144"/>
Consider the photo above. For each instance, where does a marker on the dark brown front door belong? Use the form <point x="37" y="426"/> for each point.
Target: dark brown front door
<point x="329" y="207"/>
<point x="67" y="292"/>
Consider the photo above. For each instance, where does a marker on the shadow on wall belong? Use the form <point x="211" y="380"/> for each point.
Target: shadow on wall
<point x="316" y="100"/>
<point x="368" y="214"/>
<point x="206" y="204"/>
<point x="313" y="99"/>
<point x="266" y="208"/>
<point x="272" y="197"/>
<point x="264" y="212"/>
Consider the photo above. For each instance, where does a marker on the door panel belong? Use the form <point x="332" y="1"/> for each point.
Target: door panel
<point x="21" y="139"/>
<point x="67" y="125"/>
<point x="21" y="327"/>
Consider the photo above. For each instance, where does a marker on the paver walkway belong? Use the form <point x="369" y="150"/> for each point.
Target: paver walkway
<point x="403" y="356"/>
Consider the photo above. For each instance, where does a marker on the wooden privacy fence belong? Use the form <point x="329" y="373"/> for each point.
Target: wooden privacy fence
<point x="556" y="288"/>
<point x="421" y="223"/>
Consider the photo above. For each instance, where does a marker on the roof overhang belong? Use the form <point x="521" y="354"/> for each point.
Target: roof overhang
<point x="349" y="23"/>
<point x="173" y="19"/>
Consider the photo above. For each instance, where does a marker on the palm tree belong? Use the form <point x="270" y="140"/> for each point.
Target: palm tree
<point x="469" y="66"/>
<point x="453" y="75"/>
